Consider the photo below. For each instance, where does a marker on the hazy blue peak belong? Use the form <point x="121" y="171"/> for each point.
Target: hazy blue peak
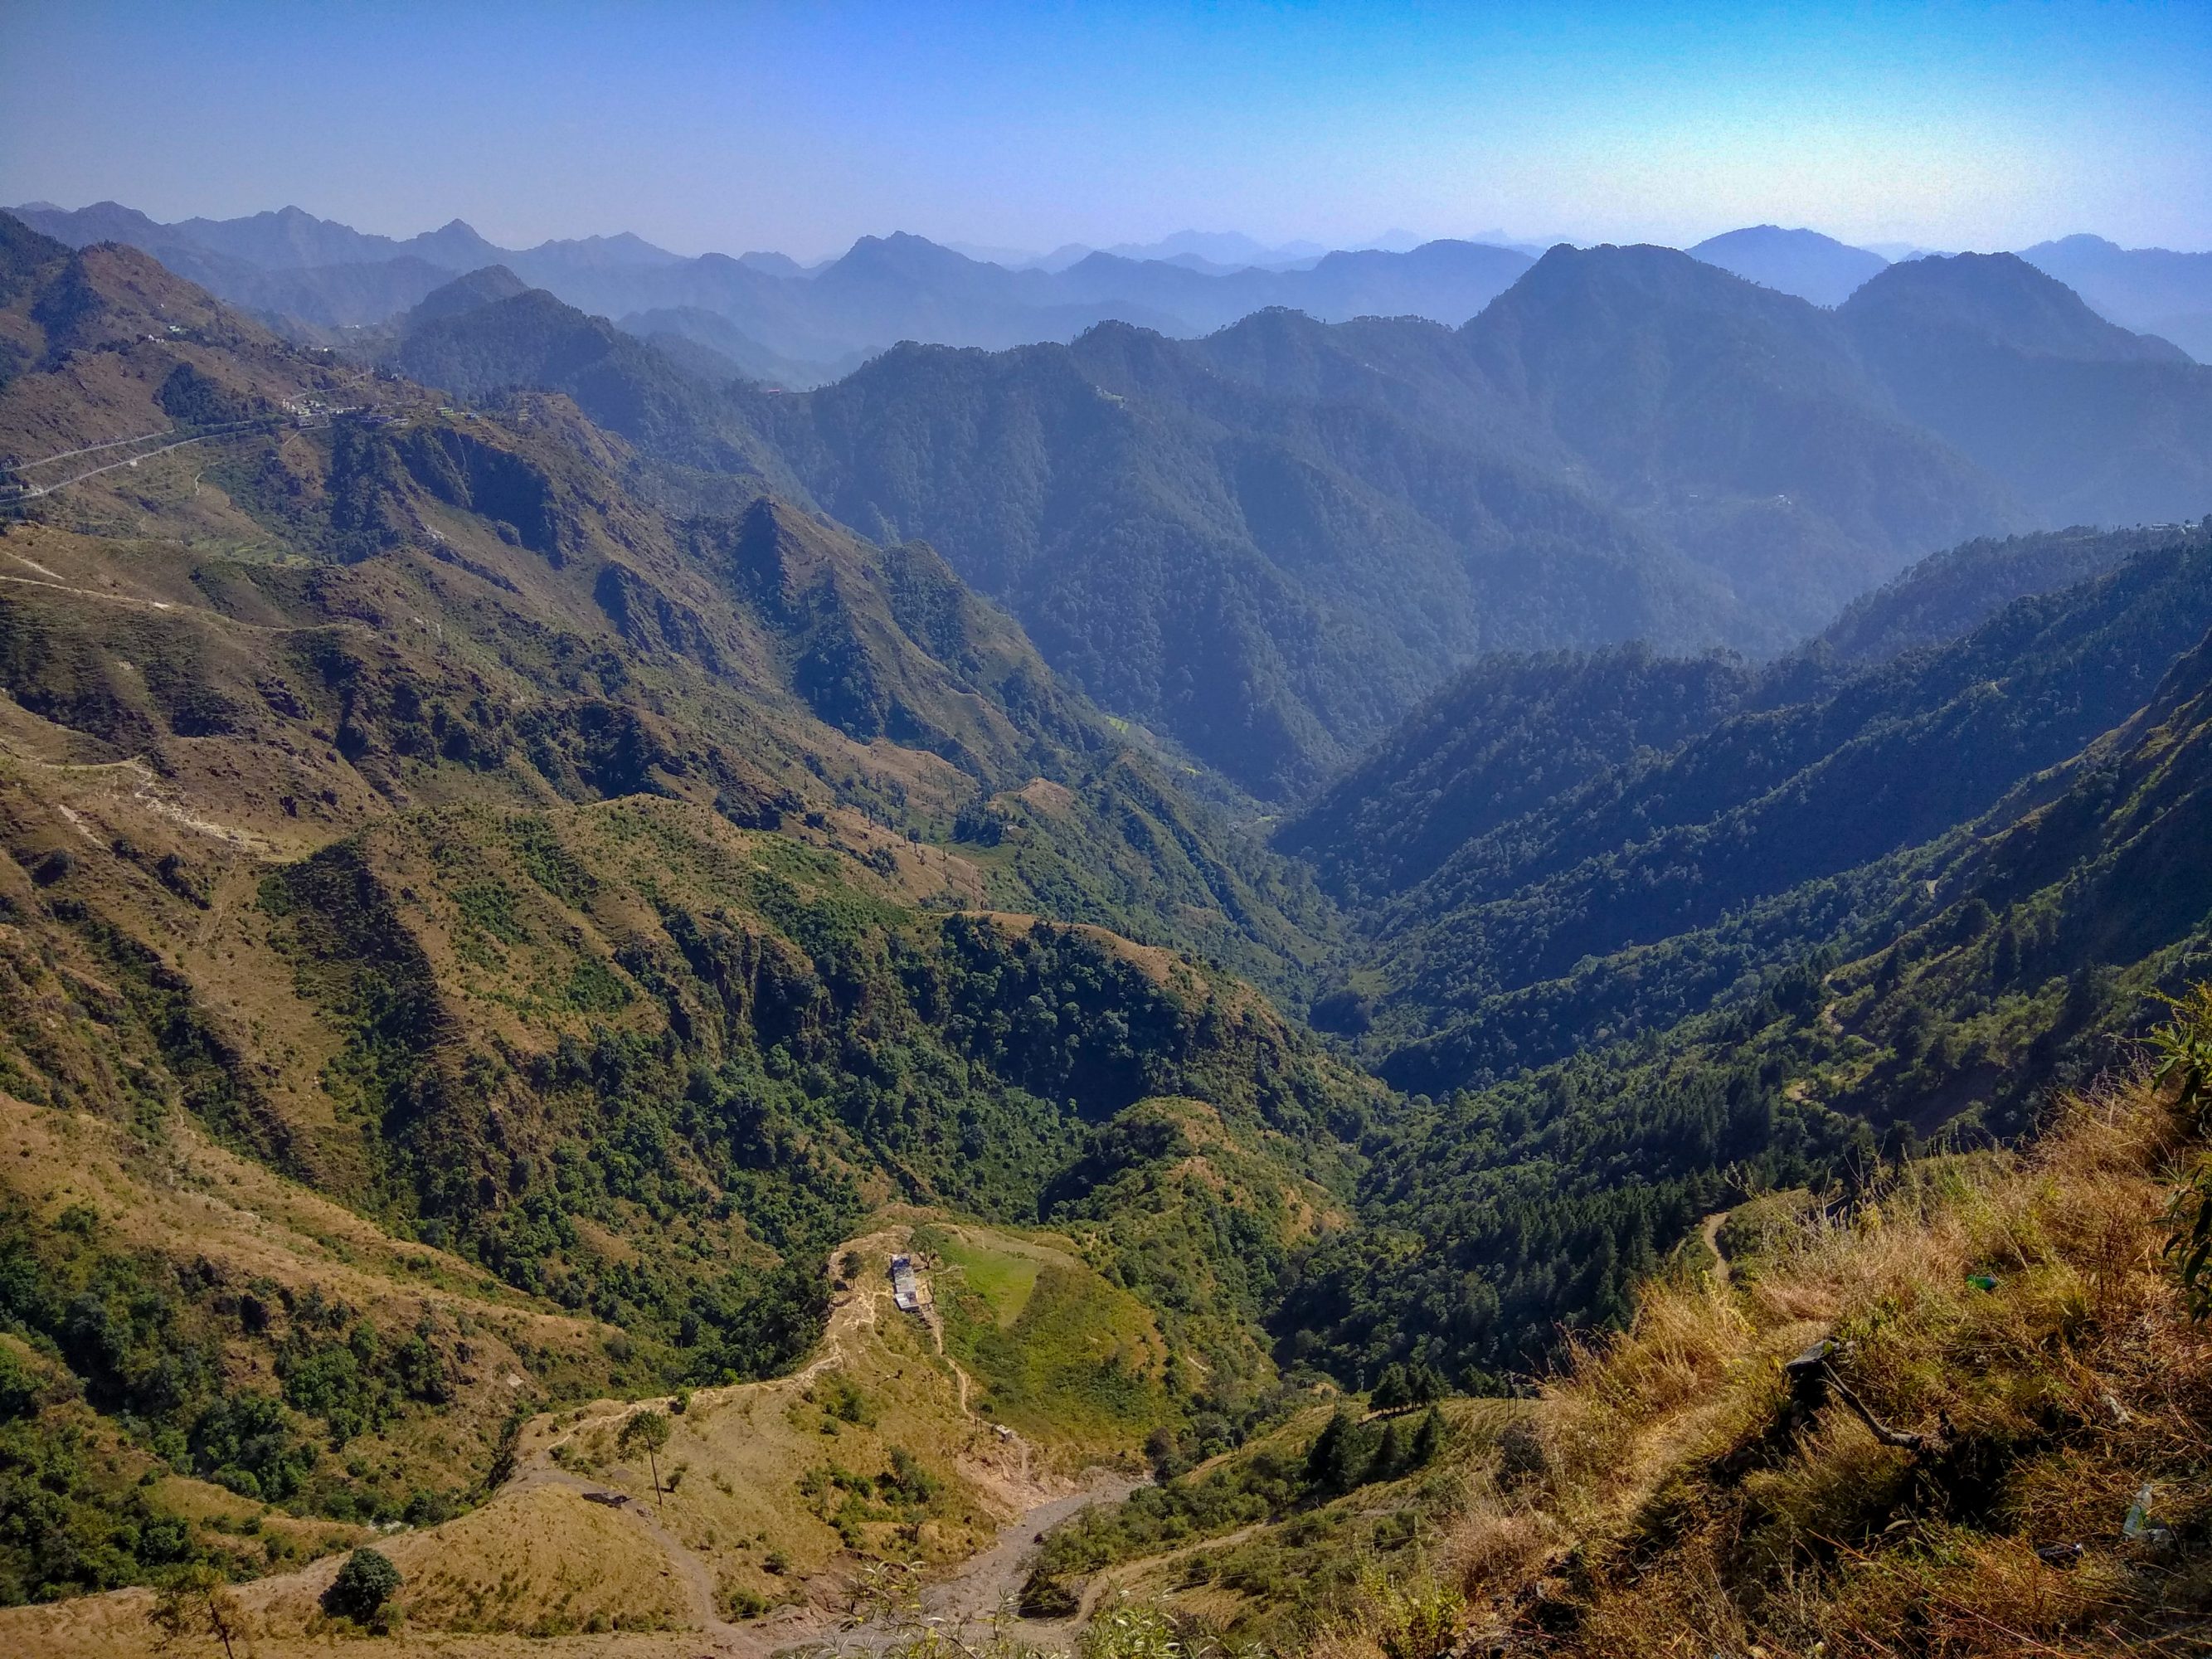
<point x="1802" y="262"/>
<point x="775" y="264"/>
<point x="2007" y="300"/>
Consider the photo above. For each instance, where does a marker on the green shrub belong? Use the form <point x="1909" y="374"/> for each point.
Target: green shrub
<point x="364" y="1584"/>
<point x="1045" y="1596"/>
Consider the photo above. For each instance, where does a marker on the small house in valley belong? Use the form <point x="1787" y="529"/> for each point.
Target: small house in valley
<point x="906" y="1285"/>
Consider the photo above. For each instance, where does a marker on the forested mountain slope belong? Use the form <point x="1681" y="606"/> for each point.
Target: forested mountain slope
<point x="1949" y="593"/>
<point x="1737" y="433"/>
<point x="1735" y="422"/>
<point x="2082" y="421"/>
<point x="601" y="909"/>
<point x="1269" y="543"/>
<point x="1268" y="578"/>
<point x="1515" y="735"/>
<point x="1942" y="988"/>
<point x="1802" y="784"/>
<point x="866" y="674"/>
<point x="1504" y="737"/>
<point x="1315" y="448"/>
<point x="478" y="343"/>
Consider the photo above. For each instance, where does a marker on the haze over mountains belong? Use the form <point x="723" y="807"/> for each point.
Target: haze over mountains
<point x="798" y="325"/>
<point x="1265" y="529"/>
<point x="883" y="290"/>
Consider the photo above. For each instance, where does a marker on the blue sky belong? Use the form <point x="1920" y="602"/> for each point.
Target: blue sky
<point x="800" y="127"/>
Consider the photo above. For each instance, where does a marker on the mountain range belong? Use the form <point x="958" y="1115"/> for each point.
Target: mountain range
<point x="1388" y="493"/>
<point x="803" y="321"/>
<point x="775" y="324"/>
<point x="535" y="868"/>
<point x="1268" y="543"/>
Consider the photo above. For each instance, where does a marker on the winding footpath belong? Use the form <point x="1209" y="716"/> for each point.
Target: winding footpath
<point x="965" y="1594"/>
<point x="1709" y="1230"/>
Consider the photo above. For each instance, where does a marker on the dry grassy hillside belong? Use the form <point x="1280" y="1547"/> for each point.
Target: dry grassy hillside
<point x="1969" y="1415"/>
<point x="1677" y="1492"/>
<point x="744" y="1531"/>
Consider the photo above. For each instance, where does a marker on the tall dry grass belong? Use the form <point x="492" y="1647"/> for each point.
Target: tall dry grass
<point x="1681" y="1505"/>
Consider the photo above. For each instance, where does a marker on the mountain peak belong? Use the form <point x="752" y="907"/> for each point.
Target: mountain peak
<point x="2006" y="299"/>
<point x="483" y="287"/>
<point x="902" y="254"/>
<point x="2080" y="241"/>
<point x="1802" y="262"/>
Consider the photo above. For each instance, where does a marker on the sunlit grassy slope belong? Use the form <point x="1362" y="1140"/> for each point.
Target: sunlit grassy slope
<point x="1057" y="1349"/>
<point x="2011" y="1372"/>
<point x="761" y="1504"/>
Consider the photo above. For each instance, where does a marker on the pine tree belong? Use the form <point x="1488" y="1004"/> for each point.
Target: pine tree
<point x="1391" y="1390"/>
<point x="1391" y="1457"/>
<point x="1428" y="1439"/>
<point x="1334" y="1463"/>
<point x="1321" y="1456"/>
<point x="646" y="1431"/>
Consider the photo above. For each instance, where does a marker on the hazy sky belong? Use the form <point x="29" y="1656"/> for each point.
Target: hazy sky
<point x="800" y="127"/>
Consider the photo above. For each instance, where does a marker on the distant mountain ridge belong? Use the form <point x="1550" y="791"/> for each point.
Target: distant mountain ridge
<point x="2082" y="421"/>
<point x="1625" y="443"/>
<point x="322" y="274"/>
<point x="2151" y="289"/>
<point x="882" y="290"/>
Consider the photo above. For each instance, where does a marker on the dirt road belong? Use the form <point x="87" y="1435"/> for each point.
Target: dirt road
<point x="974" y="1589"/>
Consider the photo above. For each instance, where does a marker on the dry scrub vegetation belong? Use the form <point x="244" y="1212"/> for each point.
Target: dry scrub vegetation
<point x="2018" y="1311"/>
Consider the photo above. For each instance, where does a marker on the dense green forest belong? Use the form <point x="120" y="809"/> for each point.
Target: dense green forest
<point x="1493" y="955"/>
<point x="1940" y="992"/>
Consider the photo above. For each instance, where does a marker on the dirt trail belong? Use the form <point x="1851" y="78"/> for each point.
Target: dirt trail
<point x="698" y="1577"/>
<point x="976" y="1588"/>
<point x="1024" y="1480"/>
<point x="969" y="1592"/>
<point x="1109" y="1579"/>
<point x="150" y="792"/>
<point x="179" y="608"/>
<point x="853" y="1313"/>
<point x="1709" y="1230"/>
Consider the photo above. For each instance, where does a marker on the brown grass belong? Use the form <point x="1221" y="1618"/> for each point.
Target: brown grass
<point x="1684" y="1510"/>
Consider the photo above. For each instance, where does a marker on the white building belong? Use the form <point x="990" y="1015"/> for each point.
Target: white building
<point x="905" y="1287"/>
